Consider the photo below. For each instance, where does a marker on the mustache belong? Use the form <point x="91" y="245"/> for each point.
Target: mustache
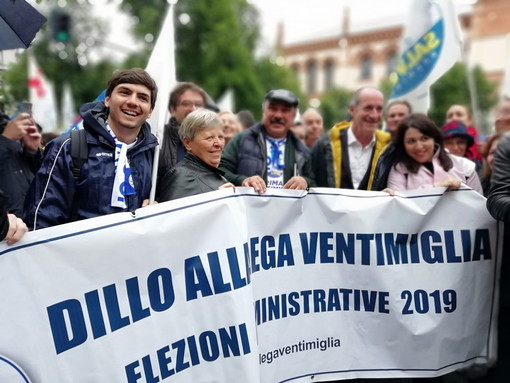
<point x="277" y="120"/>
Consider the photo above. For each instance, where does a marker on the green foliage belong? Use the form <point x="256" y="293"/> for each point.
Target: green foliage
<point x="215" y="48"/>
<point x="272" y="76"/>
<point x="60" y="63"/>
<point x="386" y="86"/>
<point x="334" y="106"/>
<point x="213" y="51"/>
<point x="452" y="88"/>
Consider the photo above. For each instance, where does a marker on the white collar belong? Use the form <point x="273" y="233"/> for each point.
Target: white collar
<point x="351" y="138"/>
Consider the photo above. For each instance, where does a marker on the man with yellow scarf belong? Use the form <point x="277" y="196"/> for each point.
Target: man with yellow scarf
<point x="345" y="157"/>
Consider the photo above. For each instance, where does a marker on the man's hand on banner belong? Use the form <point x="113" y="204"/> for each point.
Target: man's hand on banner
<point x="256" y="182"/>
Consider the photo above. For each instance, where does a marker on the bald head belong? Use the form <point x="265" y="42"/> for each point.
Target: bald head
<point x="314" y="127"/>
<point x="366" y="111"/>
<point x="502" y="116"/>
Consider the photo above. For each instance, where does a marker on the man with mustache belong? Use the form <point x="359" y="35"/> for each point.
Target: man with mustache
<point x="269" y="154"/>
<point x="346" y="156"/>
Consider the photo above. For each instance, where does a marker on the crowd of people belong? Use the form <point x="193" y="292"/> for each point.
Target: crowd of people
<point x="203" y="150"/>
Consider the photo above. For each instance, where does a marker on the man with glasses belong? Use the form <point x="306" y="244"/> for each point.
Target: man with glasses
<point x="184" y="99"/>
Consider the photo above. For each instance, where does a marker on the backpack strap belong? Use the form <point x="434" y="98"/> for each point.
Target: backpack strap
<point x="79" y="151"/>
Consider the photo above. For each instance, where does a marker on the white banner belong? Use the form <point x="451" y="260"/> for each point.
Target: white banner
<point x="232" y="286"/>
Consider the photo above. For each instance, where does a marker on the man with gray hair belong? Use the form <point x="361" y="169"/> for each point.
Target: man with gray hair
<point x="347" y="155"/>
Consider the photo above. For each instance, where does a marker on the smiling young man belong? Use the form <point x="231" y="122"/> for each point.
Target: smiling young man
<point x="269" y="154"/>
<point x="117" y="173"/>
<point x="347" y="155"/>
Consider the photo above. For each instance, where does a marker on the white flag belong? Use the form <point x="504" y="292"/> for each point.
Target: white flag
<point x="226" y="101"/>
<point x="432" y="44"/>
<point x="42" y="97"/>
<point x="161" y="67"/>
<point x="69" y="112"/>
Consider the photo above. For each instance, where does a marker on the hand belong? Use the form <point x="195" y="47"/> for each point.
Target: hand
<point x="17" y="228"/>
<point x="19" y="126"/>
<point x="450" y="184"/>
<point x="32" y="141"/>
<point x="256" y="182"/>
<point x="147" y="202"/>
<point x="227" y="185"/>
<point x="296" y="183"/>
<point x="391" y="192"/>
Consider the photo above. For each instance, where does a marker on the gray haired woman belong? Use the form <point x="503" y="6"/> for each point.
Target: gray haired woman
<point x="201" y="132"/>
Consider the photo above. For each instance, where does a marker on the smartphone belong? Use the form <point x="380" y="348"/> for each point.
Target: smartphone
<point x="26" y="107"/>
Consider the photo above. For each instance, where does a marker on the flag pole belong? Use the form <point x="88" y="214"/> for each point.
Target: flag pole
<point x="161" y="67"/>
<point x="473" y="95"/>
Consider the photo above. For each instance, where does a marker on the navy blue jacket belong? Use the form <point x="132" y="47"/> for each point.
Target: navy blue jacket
<point x="245" y="156"/>
<point x="55" y="197"/>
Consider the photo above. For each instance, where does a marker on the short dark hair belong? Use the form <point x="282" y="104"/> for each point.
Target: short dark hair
<point x="183" y="87"/>
<point x="427" y="127"/>
<point x="133" y="76"/>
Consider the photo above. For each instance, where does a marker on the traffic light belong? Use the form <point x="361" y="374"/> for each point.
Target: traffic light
<point x="61" y="26"/>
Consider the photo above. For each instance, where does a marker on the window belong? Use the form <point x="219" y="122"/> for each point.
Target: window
<point x="366" y="67"/>
<point x="391" y="63"/>
<point x="311" y="76"/>
<point x="329" y="75"/>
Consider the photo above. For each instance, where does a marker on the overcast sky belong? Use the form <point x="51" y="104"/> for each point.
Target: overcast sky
<point x="303" y="20"/>
<point x="307" y="20"/>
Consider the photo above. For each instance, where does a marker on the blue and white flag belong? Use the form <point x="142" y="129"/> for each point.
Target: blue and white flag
<point x="432" y="43"/>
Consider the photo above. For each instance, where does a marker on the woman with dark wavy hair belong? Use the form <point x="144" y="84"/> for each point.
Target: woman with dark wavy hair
<point x="421" y="160"/>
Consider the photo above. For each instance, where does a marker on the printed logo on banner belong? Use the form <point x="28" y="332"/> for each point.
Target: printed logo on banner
<point x="11" y="372"/>
<point x="419" y="60"/>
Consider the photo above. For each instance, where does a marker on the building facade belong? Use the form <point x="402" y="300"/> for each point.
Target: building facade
<point x="362" y="57"/>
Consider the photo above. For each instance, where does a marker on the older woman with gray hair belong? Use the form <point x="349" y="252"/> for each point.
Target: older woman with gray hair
<point x="201" y="132"/>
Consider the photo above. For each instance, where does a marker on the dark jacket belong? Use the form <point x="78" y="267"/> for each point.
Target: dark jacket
<point x="246" y="154"/>
<point x="498" y="201"/>
<point x="17" y="169"/>
<point x="330" y="158"/>
<point x="172" y="149"/>
<point x="191" y="176"/>
<point x="498" y="204"/>
<point x="382" y="169"/>
<point x="55" y="197"/>
<point x="4" y="221"/>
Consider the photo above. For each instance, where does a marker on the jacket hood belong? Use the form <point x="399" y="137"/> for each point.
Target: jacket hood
<point x="95" y="114"/>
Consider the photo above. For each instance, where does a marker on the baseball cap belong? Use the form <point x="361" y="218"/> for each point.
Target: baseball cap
<point x="457" y="129"/>
<point x="282" y="95"/>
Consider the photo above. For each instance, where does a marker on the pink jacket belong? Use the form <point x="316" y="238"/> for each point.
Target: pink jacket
<point x="463" y="169"/>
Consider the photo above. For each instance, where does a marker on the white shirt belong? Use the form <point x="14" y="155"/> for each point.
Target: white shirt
<point x="359" y="157"/>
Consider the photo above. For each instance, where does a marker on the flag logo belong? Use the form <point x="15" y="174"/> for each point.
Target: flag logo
<point x="419" y="60"/>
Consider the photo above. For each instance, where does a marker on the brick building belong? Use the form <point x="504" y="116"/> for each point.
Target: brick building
<point x="358" y="57"/>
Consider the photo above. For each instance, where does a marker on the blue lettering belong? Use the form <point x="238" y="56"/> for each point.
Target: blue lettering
<point x="326" y="247"/>
<point x="163" y="361"/>
<point x="217" y="277"/>
<point x="61" y="338"/>
<point x="436" y="255"/>
<point x="135" y="302"/>
<point x="193" y="267"/>
<point x="309" y="247"/>
<point x="158" y="281"/>
<point x="209" y="346"/>
<point x="117" y="321"/>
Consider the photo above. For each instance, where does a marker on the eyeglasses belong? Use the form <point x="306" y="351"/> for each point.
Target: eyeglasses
<point x="188" y="104"/>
